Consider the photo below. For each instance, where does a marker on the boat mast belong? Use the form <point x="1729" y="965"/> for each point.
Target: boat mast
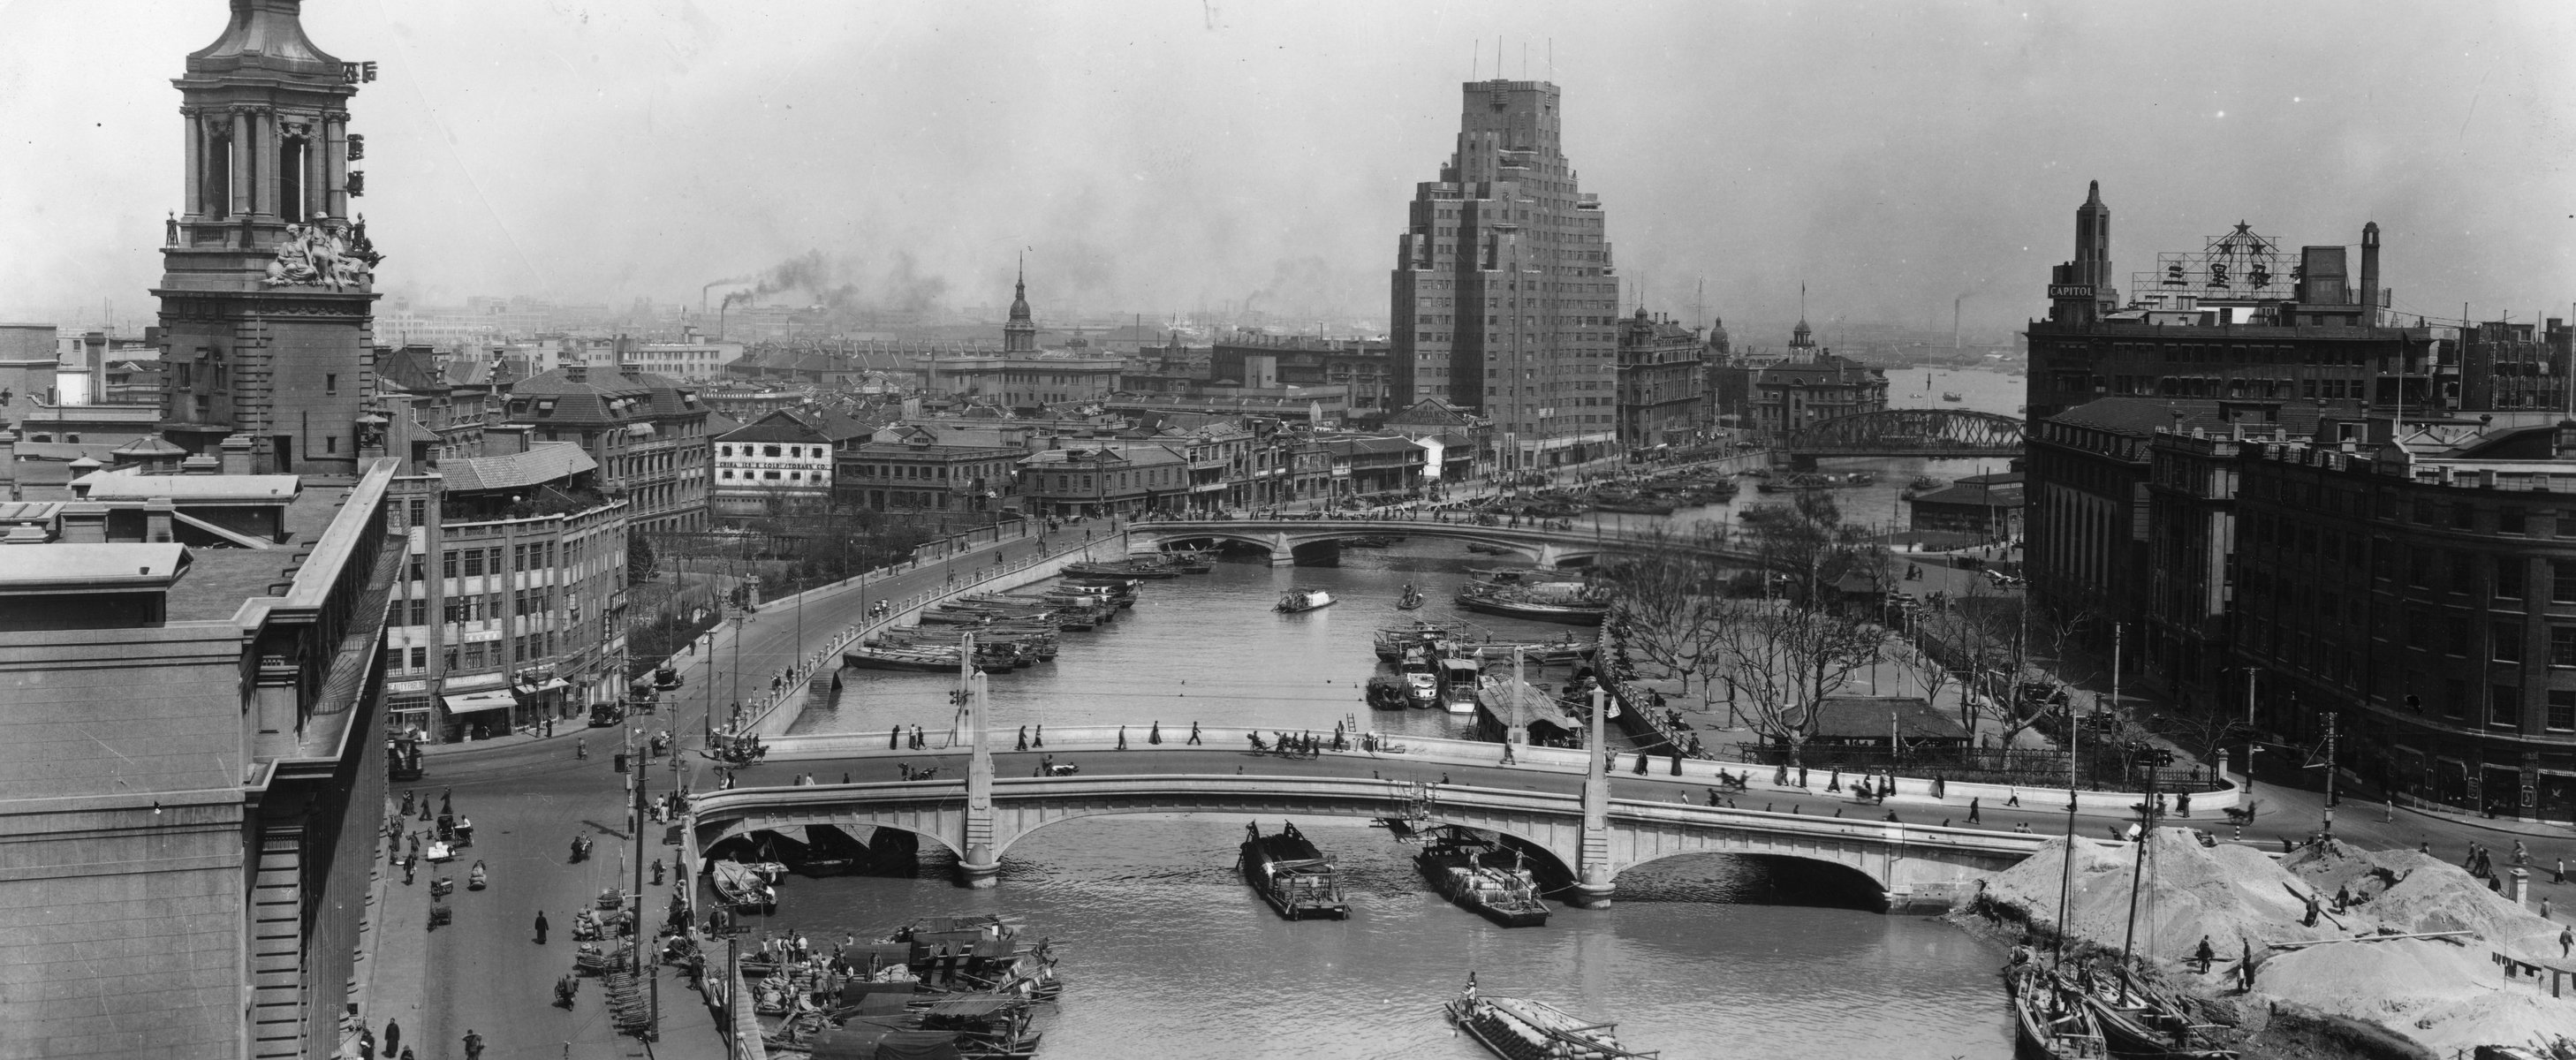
<point x="2066" y="877"/>
<point x="2137" y="872"/>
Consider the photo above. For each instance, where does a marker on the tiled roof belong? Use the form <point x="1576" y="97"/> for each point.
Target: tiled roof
<point x="409" y="369"/>
<point x="783" y="425"/>
<point x="542" y="463"/>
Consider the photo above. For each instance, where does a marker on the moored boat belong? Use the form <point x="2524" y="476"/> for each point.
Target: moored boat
<point x="2138" y="1021"/>
<point x="739" y="886"/>
<point x="1569" y="602"/>
<point x="1387" y="692"/>
<point x="925" y="657"/>
<point x="1521" y="1029"/>
<point x="1294" y="877"/>
<point x="1950" y="395"/>
<point x="2050" y="1022"/>
<point x="1411" y="599"/>
<point x="1479" y="875"/>
<point x="1298" y="601"/>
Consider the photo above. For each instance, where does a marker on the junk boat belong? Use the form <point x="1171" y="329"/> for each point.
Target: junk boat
<point x="2051" y="1021"/>
<point x="1387" y="692"/>
<point x="1478" y="874"/>
<point x="1294" y="877"/>
<point x="1949" y="395"/>
<point x="742" y="887"/>
<point x="1520" y="1029"/>
<point x="1393" y="641"/>
<point x="1298" y="601"/>
<point x="1411" y="599"/>
<point x="2136" y="1020"/>
<point x="1569" y="602"/>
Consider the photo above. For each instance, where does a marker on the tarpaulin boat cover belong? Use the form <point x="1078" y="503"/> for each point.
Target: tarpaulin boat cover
<point x="995" y="949"/>
<point x="852" y="992"/>
<point x="970" y="1007"/>
<point x="884" y="1004"/>
<point x="872" y="1043"/>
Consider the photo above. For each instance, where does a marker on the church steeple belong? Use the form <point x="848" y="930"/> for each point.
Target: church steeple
<point x="1021" y="334"/>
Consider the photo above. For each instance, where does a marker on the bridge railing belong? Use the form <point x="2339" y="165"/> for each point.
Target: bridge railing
<point x="1365" y="794"/>
<point x="1760" y="781"/>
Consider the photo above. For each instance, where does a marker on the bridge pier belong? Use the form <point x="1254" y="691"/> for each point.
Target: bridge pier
<point x="979" y="869"/>
<point x="1282" y="554"/>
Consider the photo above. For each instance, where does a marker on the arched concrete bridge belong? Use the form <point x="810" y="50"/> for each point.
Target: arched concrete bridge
<point x="1912" y="866"/>
<point x="1282" y="537"/>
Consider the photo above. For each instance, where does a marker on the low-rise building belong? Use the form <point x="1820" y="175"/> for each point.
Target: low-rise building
<point x="920" y="468"/>
<point x="1097" y="480"/>
<point x="782" y="462"/>
<point x="1363" y="368"/>
<point x="1988" y="506"/>
<point x="647" y="433"/>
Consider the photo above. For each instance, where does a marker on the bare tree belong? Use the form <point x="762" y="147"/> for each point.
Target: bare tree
<point x="1667" y="604"/>
<point x="1786" y="659"/>
<point x="2010" y="646"/>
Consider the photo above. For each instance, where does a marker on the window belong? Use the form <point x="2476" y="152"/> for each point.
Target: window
<point x="420" y="612"/>
<point x="447" y="564"/>
<point x="2458" y="635"/>
<point x="451" y="658"/>
<point x="2509" y="520"/>
<point x="2562" y="645"/>
<point x="2463" y="517"/>
<point x="2562" y="581"/>
<point x="2419" y="569"/>
<point x="2455" y="698"/>
<point x="420" y="658"/>
<point x="2562" y="709"/>
<point x="2508" y="577"/>
<point x="330" y="383"/>
<point x="2508" y="641"/>
<point x="2504" y="706"/>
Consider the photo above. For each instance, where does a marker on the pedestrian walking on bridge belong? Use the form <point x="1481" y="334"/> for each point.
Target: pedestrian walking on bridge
<point x="541" y="927"/>
<point x="1194" y="742"/>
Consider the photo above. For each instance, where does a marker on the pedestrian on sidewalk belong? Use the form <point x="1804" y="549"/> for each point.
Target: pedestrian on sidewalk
<point x="1194" y="739"/>
<point x="2561" y="875"/>
<point x="1024" y="739"/>
<point x="443" y="806"/>
<point x="1039" y="740"/>
<point x="894" y="738"/>
<point x="1122" y="737"/>
<point x="2566" y="941"/>
<point x="1155" y="734"/>
<point x="1972" y="809"/>
<point x="473" y="1045"/>
<point x="408" y="864"/>
<point x="541" y="927"/>
<point x="2521" y="854"/>
<point x="393" y="1036"/>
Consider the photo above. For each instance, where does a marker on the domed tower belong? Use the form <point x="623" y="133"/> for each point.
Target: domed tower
<point x="1802" y="337"/>
<point x="1021" y="334"/>
<point x="266" y="288"/>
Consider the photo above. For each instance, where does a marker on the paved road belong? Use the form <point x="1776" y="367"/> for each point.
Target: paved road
<point x="527" y="800"/>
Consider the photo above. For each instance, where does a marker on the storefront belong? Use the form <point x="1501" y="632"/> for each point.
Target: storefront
<point x="479" y="715"/>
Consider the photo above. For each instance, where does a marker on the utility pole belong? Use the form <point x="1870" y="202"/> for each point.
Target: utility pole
<point x="2330" y="773"/>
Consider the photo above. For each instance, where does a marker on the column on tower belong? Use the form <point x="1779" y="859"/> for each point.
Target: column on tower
<point x="317" y="193"/>
<point x="238" y="153"/>
<point x="265" y="178"/>
<point x="193" y="122"/>
<point x="335" y="159"/>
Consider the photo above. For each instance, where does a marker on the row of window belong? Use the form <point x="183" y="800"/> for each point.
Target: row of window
<point x="481" y="607"/>
<point x="792" y="451"/>
<point x="533" y="647"/>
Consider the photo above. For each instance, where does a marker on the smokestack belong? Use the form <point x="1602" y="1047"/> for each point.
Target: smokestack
<point x="2370" y="274"/>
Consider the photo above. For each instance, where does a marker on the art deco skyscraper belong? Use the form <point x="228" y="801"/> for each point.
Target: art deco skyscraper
<point x="1504" y="297"/>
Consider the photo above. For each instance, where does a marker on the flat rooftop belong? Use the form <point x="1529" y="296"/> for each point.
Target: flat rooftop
<point x="219" y="579"/>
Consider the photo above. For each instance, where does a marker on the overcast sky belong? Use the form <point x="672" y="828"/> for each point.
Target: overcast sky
<point x="1161" y="156"/>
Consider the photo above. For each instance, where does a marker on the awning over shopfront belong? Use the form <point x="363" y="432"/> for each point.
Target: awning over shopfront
<point x="549" y="686"/>
<point x="496" y="699"/>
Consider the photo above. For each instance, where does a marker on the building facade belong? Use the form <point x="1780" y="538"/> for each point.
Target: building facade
<point x="2420" y="588"/>
<point x="510" y="609"/>
<point x="782" y="462"/>
<point x="1660" y="402"/>
<point x="1098" y="481"/>
<point x="1504" y="298"/>
<point x="1796" y="394"/>
<point x="916" y="468"/>
<point x="647" y="433"/>
<point x="1362" y="369"/>
<point x="2516" y="366"/>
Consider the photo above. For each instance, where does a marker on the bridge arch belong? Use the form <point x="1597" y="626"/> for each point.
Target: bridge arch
<point x="1271" y="542"/>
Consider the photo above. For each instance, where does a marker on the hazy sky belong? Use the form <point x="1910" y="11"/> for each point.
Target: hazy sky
<point x="1161" y="156"/>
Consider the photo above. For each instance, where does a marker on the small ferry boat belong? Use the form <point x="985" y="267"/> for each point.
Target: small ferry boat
<point x="1411" y="599"/>
<point x="1459" y="682"/>
<point x="1294" y="877"/>
<point x="1392" y="641"/>
<point x="1520" y="1029"/>
<point x="1478" y="874"/>
<point x="1950" y="395"/>
<point x="1299" y="601"/>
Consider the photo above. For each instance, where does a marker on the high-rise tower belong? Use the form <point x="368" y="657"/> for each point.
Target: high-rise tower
<point x="1504" y="297"/>
<point x="2080" y="291"/>
<point x="265" y="288"/>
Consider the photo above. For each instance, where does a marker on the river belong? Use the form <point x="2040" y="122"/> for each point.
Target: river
<point x="1168" y="954"/>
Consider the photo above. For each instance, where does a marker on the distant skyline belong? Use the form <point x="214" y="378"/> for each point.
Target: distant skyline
<point x="1160" y="158"/>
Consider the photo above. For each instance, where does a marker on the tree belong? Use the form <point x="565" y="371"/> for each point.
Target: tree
<point x="1785" y="659"/>
<point x="2003" y="642"/>
<point x="1785" y="656"/>
<point x="639" y="556"/>
<point x="1667" y="604"/>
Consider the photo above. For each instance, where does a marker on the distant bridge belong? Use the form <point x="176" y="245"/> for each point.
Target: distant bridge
<point x="1283" y="537"/>
<point x="1908" y="432"/>
<point x="980" y="818"/>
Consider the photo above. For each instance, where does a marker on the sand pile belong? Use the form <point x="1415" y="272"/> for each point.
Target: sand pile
<point x="2447" y="996"/>
<point x="2228" y="893"/>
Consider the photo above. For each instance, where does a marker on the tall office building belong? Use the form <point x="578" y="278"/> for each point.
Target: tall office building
<point x="1504" y="299"/>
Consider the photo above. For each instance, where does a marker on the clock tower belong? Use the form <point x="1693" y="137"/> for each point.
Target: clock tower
<point x="267" y="281"/>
